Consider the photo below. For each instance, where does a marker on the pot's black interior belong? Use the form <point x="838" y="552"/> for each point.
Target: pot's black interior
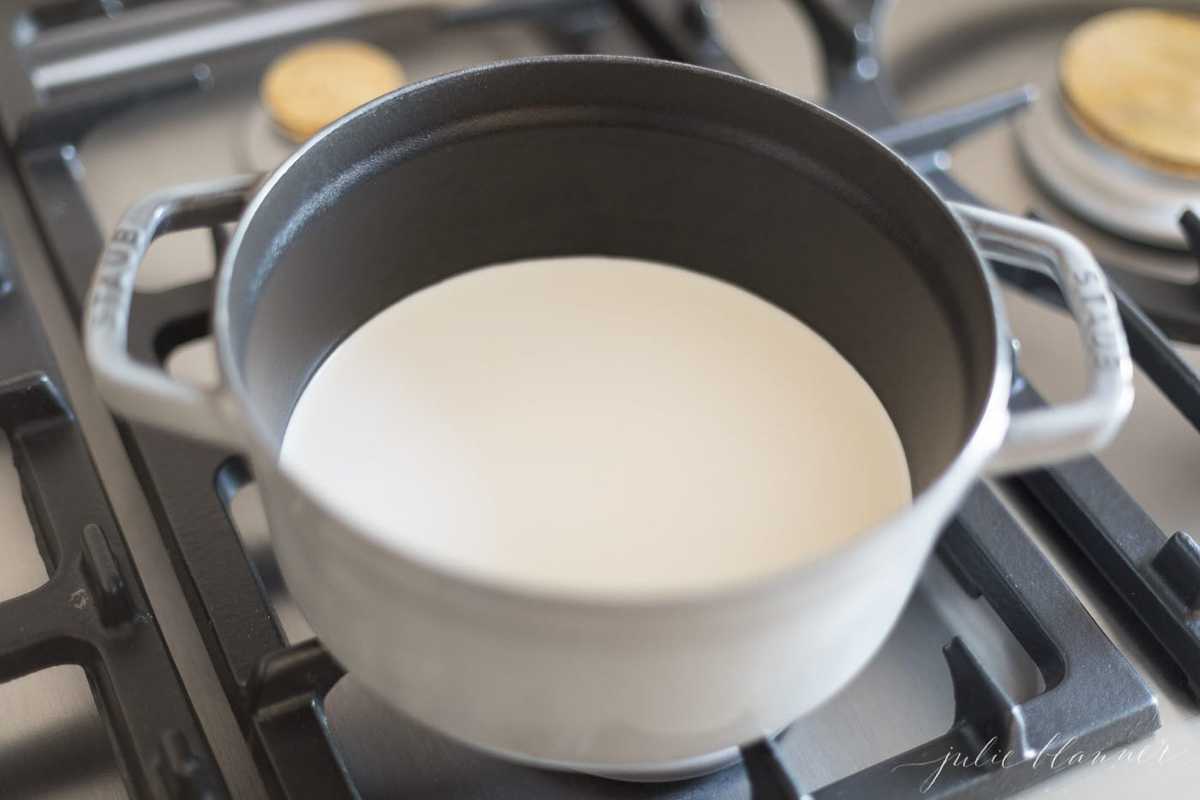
<point x="624" y="158"/>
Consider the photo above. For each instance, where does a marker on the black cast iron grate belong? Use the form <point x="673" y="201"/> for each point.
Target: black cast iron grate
<point x="276" y="690"/>
<point x="92" y="612"/>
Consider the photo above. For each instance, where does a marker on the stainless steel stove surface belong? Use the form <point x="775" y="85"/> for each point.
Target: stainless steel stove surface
<point x="938" y="55"/>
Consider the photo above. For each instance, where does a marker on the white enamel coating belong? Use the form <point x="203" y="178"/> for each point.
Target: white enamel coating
<point x="139" y="391"/>
<point x="1047" y="435"/>
<point x="640" y="687"/>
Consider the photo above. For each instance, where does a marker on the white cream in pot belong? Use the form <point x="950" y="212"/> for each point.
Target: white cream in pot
<point x="597" y="426"/>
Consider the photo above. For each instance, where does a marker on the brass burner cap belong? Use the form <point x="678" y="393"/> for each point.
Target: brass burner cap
<point x="1132" y="80"/>
<point x="309" y="87"/>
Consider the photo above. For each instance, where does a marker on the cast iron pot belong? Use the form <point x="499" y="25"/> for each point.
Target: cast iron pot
<point x="620" y="157"/>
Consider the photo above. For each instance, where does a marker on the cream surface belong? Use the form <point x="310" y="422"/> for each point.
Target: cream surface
<point x="597" y="426"/>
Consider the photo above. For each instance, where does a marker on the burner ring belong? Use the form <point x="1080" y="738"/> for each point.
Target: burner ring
<point x="1098" y="183"/>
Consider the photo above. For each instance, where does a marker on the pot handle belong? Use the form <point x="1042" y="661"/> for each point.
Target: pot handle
<point x="133" y="389"/>
<point x="1041" y="436"/>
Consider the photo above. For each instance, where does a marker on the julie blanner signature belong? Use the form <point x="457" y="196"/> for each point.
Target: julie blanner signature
<point x="1057" y="754"/>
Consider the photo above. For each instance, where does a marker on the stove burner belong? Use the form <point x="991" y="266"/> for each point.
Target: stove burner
<point x="1118" y="141"/>
<point x="309" y="87"/>
<point x="1132" y="79"/>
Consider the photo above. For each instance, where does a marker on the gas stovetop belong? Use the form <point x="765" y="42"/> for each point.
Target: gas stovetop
<point x="1057" y="628"/>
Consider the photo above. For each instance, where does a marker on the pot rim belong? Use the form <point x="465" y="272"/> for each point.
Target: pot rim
<point x="948" y="488"/>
